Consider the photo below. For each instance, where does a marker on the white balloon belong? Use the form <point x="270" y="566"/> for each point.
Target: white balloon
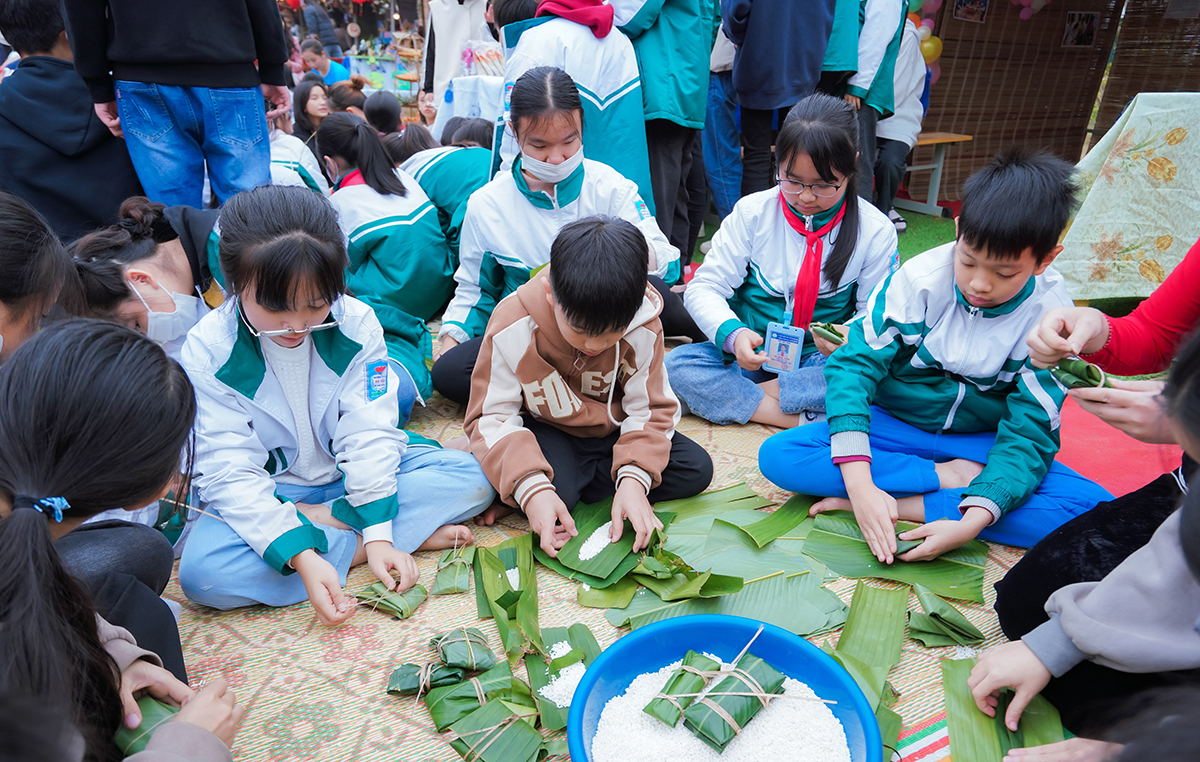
<point x="924" y="32"/>
<point x="1038" y="5"/>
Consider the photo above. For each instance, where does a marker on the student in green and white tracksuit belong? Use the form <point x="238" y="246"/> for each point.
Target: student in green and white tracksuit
<point x="293" y="164"/>
<point x="449" y="175"/>
<point x="873" y="83"/>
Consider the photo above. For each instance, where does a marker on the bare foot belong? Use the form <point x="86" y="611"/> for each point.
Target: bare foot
<point x="494" y="513"/>
<point x="829" y="504"/>
<point x="449" y="536"/>
<point x="1071" y="750"/>
<point x="957" y="473"/>
<point x="462" y="443"/>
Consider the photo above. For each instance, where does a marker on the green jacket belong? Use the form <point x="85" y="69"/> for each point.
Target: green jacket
<point x="673" y="40"/>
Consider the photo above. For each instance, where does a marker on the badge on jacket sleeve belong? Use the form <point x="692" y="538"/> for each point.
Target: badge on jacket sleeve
<point x="377" y="379"/>
<point x="642" y="210"/>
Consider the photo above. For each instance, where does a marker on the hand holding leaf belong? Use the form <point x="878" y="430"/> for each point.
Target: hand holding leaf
<point x="875" y="510"/>
<point x="324" y="588"/>
<point x="1012" y="665"/>
<point x="550" y="520"/>
<point x="143" y="677"/>
<point x="383" y="558"/>
<point x="945" y="534"/>
<point x="630" y="503"/>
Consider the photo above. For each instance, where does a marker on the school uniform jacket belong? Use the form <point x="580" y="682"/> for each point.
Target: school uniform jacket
<point x="526" y="366"/>
<point x="293" y="164"/>
<point x="748" y="278"/>
<point x="880" y="25"/>
<point x="907" y="86"/>
<point x="508" y="230"/>
<point x="246" y="433"/>
<point x="610" y="88"/>
<point x="929" y="358"/>
<point x="449" y="175"/>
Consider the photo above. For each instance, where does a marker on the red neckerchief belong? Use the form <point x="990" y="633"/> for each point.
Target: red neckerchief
<point x="594" y="14"/>
<point x="353" y="177"/>
<point x="808" y="280"/>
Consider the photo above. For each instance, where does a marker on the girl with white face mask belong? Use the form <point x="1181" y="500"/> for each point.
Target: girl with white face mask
<point x="152" y="271"/>
<point x="510" y="223"/>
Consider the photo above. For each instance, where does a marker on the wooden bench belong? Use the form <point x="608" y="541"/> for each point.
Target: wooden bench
<point x="939" y="141"/>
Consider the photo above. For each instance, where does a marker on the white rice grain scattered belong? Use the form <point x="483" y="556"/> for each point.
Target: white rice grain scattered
<point x="561" y="689"/>
<point x="514" y="578"/>
<point x="585" y="586"/>
<point x="792" y="730"/>
<point x="597" y="542"/>
<point x="560" y="649"/>
<point x="963" y="652"/>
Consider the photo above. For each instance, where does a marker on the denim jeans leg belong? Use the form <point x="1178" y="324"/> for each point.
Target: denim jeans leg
<point x="713" y="389"/>
<point x="722" y="146"/>
<point x="236" y="145"/>
<point x="804" y="388"/>
<point x="162" y="133"/>
<point x="435" y="487"/>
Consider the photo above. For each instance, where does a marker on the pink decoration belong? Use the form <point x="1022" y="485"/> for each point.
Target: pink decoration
<point x="927" y="22"/>
<point x="935" y="73"/>
<point x="931" y="6"/>
<point x="1026" y="14"/>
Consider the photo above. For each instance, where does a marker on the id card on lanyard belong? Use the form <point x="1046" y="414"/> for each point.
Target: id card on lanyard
<point x="784" y="343"/>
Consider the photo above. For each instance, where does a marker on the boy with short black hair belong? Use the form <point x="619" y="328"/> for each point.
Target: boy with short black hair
<point x="569" y="397"/>
<point x="933" y="398"/>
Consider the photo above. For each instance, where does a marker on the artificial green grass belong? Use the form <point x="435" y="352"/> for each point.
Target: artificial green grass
<point x="924" y="233"/>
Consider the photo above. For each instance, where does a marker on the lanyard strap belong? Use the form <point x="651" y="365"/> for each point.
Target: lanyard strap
<point x="808" y="280"/>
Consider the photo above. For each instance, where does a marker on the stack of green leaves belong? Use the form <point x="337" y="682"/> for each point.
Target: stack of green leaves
<point x="154" y="713"/>
<point x="975" y="737"/>
<point x="719" y="716"/>
<point x="464" y="647"/>
<point x="506" y="589"/>
<point x="941" y="624"/>
<point x="682" y="688"/>
<point x="400" y="605"/>
<point x="451" y="703"/>
<point x="836" y="541"/>
<point x="1074" y="373"/>
<point x="672" y="579"/>
<point x="414" y="679"/>
<point x="542" y="669"/>
<point x="454" y="571"/>
<point x="829" y="332"/>
<point x="494" y="733"/>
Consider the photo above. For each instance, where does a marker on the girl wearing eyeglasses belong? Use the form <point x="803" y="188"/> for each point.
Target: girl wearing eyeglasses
<point x="301" y="468"/>
<point x="804" y="252"/>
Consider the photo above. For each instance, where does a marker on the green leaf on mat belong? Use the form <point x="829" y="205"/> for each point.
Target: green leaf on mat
<point x="929" y="632"/>
<point x="482" y="608"/>
<point x="410" y="679"/>
<point x="780" y="555"/>
<point x="556" y="748"/>
<point x="628" y="564"/>
<point x="691" y="584"/>
<point x="154" y="713"/>
<point x="974" y="736"/>
<point x="941" y="620"/>
<point x="871" y="679"/>
<point x="737" y="497"/>
<point x="454" y="571"/>
<point x="515" y="609"/>
<point x="616" y="596"/>
<point x="837" y="542"/>
<point x="581" y="640"/>
<point x="400" y="605"/>
<point x="493" y="733"/>
<point x="889" y="729"/>
<point x="875" y="625"/>
<point x="688" y="537"/>
<point x="590" y="521"/>
<point x="450" y="704"/>
<point x="783" y="520"/>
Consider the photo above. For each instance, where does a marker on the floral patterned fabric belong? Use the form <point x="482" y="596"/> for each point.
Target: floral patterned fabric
<point x="1141" y="211"/>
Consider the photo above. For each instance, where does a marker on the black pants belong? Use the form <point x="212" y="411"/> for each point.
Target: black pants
<point x="1089" y="697"/>
<point x="890" y="166"/>
<point x="452" y="372"/>
<point x="93" y="551"/>
<point x="697" y="204"/>
<point x="758" y="136"/>
<point x="670" y="148"/>
<point x="125" y="602"/>
<point x="583" y="467"/>
<point x="867" y="119"/>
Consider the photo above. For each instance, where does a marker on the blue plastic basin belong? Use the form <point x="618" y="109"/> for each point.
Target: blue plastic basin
<point x="651" y="648"/>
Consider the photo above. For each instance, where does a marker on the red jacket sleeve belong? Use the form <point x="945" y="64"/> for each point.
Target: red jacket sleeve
<point x="1145" y="340"/>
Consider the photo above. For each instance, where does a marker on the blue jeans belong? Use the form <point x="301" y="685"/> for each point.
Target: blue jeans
<point x="173" y="132"/>
<point x="434" y="487"/>
<point x="722" y="145"/>
<point x="902" y="464"/>
<point x="723" y="392"/>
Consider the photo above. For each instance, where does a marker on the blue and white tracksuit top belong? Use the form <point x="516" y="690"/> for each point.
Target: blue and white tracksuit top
<point x="508" y="230"/>
<point x="931" y="359"/>
<point x="748" y="278"/>
<point x="246" y="433"/>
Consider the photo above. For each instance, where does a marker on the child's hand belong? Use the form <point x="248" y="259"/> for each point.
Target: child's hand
<point x="383" y="558"/>
<point x="214" y="708"/>
<point x="630" y="503"/>
<point x="876" y="512"/>
<point x="945" y="534"/>
<point x="144" y="677"/>
<point x="1134" y="407"/>
<point x="324" y="588"/>
<point x="743" y="348"/>
<point x="827" y="348"/>
<point x="1012" y="665"/>
<point x="550" y="520"/>
<point x="1065" y="331"/>
<point x="445" y="345"/>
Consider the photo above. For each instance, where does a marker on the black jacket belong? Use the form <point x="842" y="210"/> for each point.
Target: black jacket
<point x="56" y="153"/>
<point x="192" y="43"/>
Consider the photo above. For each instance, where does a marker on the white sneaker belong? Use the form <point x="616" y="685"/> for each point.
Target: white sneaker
<point x="812" y="416"/>
<point x="900" y="223"/>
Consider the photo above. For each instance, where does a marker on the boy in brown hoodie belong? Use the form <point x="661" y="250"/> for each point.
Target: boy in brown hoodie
<point x="569" y="398"/>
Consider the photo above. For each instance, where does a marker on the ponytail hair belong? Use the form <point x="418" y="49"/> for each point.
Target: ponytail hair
<point x="382" y="110"/>
<point x="351" y="139"/>
<point x="347" y="94"/>
<point x="34" y="265"/>
<point x="826" y="129"/>
<point x="541" y="94"/>
<point x="97" y="415"/>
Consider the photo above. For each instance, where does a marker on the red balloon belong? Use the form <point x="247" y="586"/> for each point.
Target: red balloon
<point x="935" y="73"/>
<point x="295" y="4"/>
<point x="1026" y="14"/>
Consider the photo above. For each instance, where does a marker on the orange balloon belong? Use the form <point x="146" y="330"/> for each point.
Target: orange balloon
<point x="915" y="19"/>
<point x="931" y="48"/>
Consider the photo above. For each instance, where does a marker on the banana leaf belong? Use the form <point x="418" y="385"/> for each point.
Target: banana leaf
<point x="414" y="679"/>
<point x="688" y="537"/>
<point x="726" y="541"/>
<point x="582" y="642"/>
<point x="529" y="714"/>
<point x="454" y="571"/>
<point x="1074" y="373"/>
<point x="514" y="609"/>
<point x="783" y="520"/>
<point x="890" y="724"/>
<point x="616" y="596"/>
<point x="590" y="521"/>
<point x="974" y="736"/>
<point x="810" y="608"/>
<point x="709" y="725"/>
<point x="482" y="608"/>
<point x="735" y="498"/>
<point x="829" y="332"/>
<point x="837" y="542"/>
<point x="875" y="626"/>
<point x="556" y="748"/>
<point x="940" y="621"/>
<point x="464" y="647"/>
<point x="154" y="713"/>
<point x="690" y="584"/>
<point x="493" y="733"/>
<point x="450" y="704"/>
<point x="628" y="564"/>
<point x="684" y="682"/>
<point x="400" y="605"/>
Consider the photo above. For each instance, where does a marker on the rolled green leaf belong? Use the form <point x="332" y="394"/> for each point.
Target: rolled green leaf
<point x="509" y="582"/>
<point x="450" y="704"/>
<point x="454" y="571"/>
<point x="154" y="713"/>
<point x="940" y="619"/>
<point x="584" y="648"/>
<point x="669" y="704"/>
<point x="1074" y="373"/>
<point x="974" y="736"/>
<point x="493" y="733"/>
<point x="413" y="679"/>
<point x="400" y="605"/>
<point x="829" y="332"/>
<point x="751" y="675"/>
<point x="464" y="647"/>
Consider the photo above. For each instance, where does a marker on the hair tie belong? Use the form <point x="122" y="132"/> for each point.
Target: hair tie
<point x="52" y="507"/>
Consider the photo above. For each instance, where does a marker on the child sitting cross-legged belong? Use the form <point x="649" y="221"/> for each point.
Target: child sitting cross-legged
<point x="936" y="413"/>
<point x="569" y="398"/>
